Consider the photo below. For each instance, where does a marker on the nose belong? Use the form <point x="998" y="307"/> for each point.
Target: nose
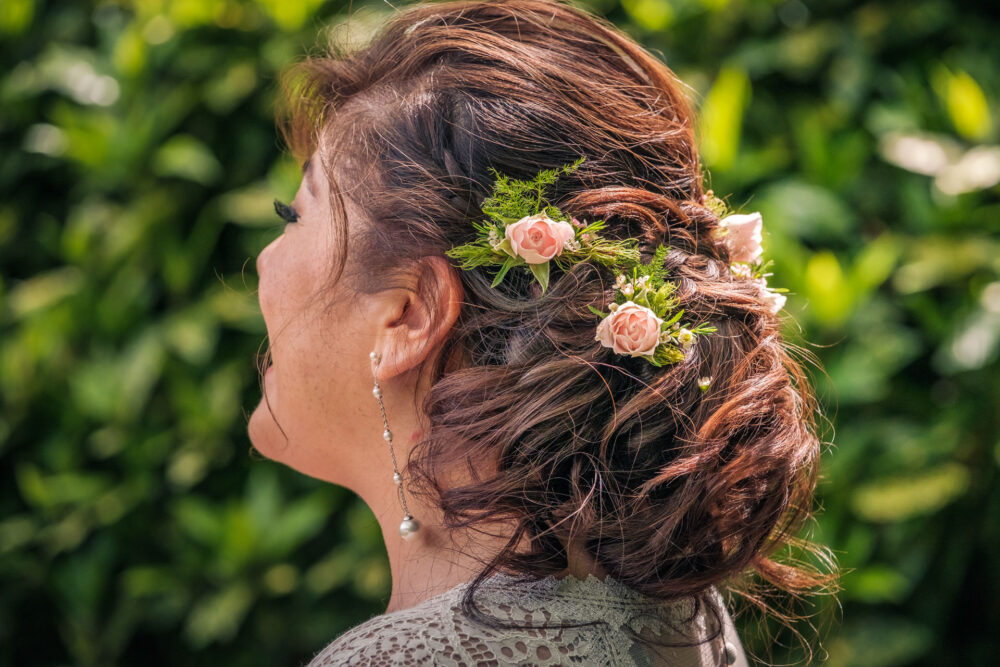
<point x="261" y="258"/>
<point x="263" y="261"/>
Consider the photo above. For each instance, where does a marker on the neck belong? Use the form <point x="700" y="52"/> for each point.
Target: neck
<point x="435" y="560"/>
<point x="432" y="561"/>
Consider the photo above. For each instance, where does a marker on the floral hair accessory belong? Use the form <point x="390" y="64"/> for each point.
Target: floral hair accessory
<point x="642" y="321"/>
<point x="521" y="231"/>
<point x="742" y="235"/>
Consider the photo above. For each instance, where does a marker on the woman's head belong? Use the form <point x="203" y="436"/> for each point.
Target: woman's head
<point x="668" y="487"/>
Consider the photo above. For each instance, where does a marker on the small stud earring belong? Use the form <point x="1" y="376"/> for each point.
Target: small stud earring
<point x="409" y="526"/>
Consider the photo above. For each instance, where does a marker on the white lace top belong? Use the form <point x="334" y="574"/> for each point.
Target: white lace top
<point x="436" y="632"/>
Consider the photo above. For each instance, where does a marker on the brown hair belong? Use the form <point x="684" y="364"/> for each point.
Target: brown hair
<point x="671" y="489"/>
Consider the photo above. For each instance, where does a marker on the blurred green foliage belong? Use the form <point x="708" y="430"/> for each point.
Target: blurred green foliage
<point x="139" y="162"/>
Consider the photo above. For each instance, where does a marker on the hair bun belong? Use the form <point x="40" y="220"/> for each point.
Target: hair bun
<point x="652" y="217"/>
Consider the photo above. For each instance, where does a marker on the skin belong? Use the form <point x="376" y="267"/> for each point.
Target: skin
<point x="319" y="388"/>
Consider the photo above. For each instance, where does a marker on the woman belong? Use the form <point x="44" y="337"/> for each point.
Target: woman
<point x="547" y="495"/>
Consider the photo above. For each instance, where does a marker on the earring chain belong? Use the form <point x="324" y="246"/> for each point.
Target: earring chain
<point x="388" y="437"/>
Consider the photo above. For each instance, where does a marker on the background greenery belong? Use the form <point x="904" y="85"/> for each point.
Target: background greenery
<point x="139" y="164"/>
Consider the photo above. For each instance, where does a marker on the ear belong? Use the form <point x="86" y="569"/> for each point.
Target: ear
<point x="419" y="317"/>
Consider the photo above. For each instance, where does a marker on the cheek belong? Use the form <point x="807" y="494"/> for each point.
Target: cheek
<point x="292" y="271"/>
<point x="320" y="384"/>
<point x="311" y="355"/>
<point x="299" y="390"/>
<point x="320" y="396"/>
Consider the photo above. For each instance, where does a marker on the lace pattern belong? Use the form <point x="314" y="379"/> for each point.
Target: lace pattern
<point x="436" y="632"/>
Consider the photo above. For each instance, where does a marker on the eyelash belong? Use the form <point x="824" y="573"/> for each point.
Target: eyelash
<point x="285" y="212"/>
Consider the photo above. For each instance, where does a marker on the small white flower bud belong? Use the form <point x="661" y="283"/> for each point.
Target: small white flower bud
<point x="685" y="337"/>
<point x="740" y="269"/>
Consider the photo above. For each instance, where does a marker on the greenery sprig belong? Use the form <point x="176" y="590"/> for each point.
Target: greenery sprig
<point x="523" y="228"/>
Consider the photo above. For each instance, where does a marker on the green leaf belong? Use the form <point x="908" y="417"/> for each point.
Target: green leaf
<point x="722" y="117"/>
<point x="596" y="312"/>
<point x="541" y="272"/>
<point x="199" y="519"/>
<point x="965" y="101"/>
<point x="296" y="525"/>
<point x="673" y="319"/>
<point x="505" y="247"/>
<point x="509" y="262"/>
<point x="185" y="156"/>
<point x="218" y="615"/>
<point x="908" y="495"/>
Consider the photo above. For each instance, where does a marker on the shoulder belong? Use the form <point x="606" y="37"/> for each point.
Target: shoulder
<point x="419" y="635"/>
<point x="567" y="621"/>
<point x="437" y="632"/>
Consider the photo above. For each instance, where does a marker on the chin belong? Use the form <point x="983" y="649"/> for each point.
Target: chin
<point x="267" y="438"/>
<point x="264" y="433"/>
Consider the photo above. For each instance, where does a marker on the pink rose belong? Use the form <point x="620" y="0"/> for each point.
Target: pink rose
<point x="631" y="329"/>
<point x="743" y="237"/>
<point x="537" y="238"/>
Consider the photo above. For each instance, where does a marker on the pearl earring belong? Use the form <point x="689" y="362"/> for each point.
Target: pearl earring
<point x="409" y="527"/>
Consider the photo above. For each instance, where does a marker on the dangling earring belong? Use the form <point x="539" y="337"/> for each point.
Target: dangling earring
<point x="409" y="527"/>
